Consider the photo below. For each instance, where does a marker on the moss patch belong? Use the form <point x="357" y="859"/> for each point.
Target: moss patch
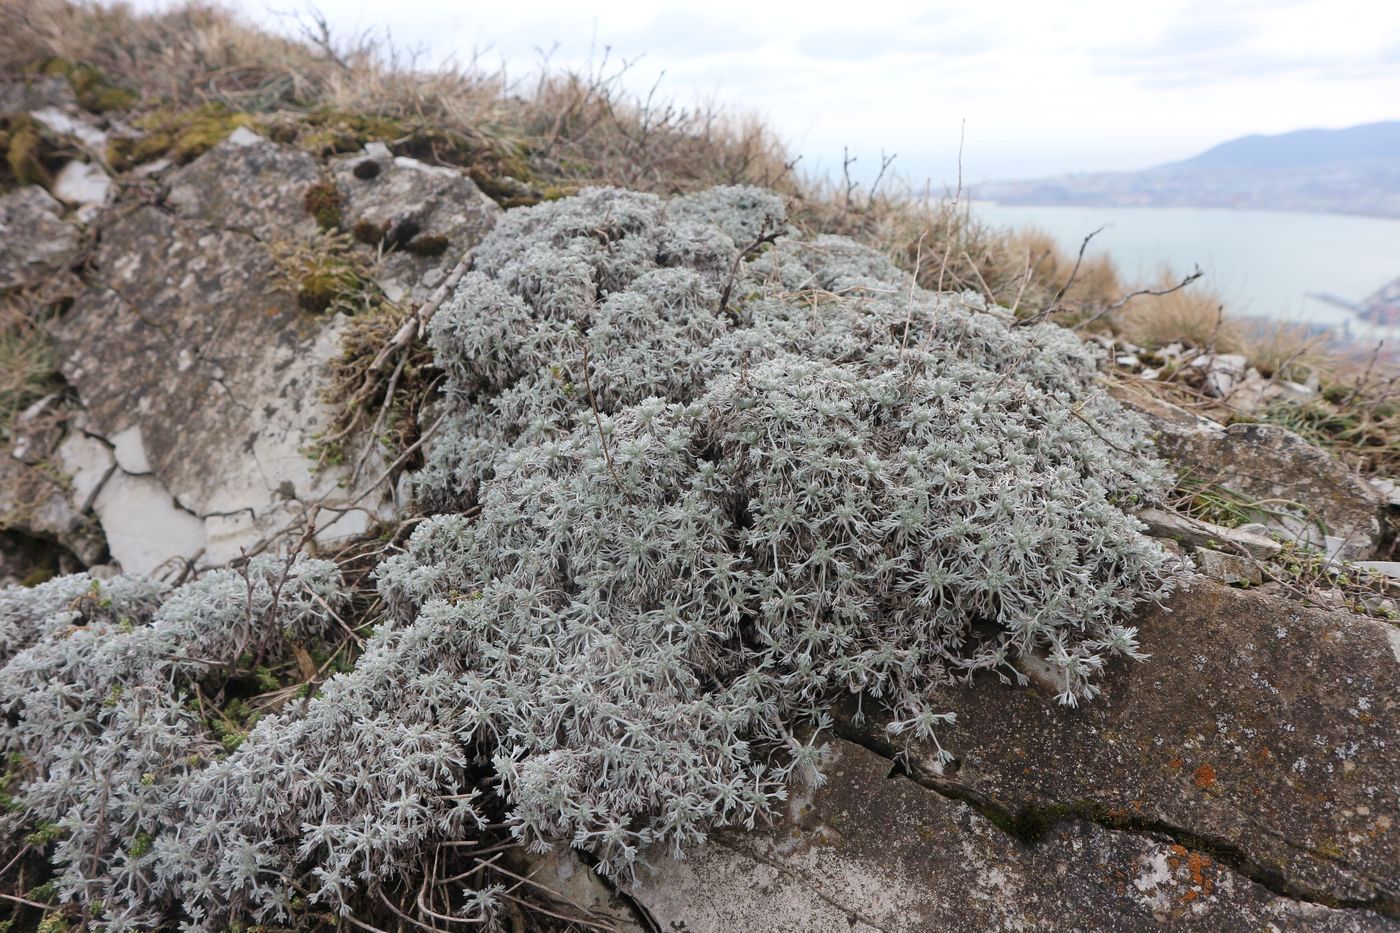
<point x="95" y="92"/>
<point x="428" y="245"/>
<point x="31" y="154"/>
<point x="326" y="284"/>
<point x="180" y="135"/>
<point x="322" y="201"/>
<point x="368" y="233"/>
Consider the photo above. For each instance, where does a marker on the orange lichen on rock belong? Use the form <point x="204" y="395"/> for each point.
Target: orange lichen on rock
<point x="1204" y="776"/>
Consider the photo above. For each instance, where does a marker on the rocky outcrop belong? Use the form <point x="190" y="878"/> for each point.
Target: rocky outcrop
<point x="872" y="850"/>
<point x="1241" y="778"/>
<point x="424" y="211"/>
<point x="200" y="379"/>
<point x="1302" y="493"/>
<point x="38" y="241"/>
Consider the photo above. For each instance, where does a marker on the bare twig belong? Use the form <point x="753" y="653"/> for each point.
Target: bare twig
<point x="1054" y="304"/>
<point x="597" y="419"/>
<point x="1154" y="292"/>
<point x="765" y="235"/>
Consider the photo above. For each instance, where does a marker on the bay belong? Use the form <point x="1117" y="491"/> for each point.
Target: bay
<point x="1266" y="264"/>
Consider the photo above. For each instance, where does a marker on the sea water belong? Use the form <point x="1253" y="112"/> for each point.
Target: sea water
<point x="1268" y="264"/>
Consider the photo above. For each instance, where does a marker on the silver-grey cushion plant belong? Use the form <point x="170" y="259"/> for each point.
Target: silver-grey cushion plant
<point x="701" y="523"/>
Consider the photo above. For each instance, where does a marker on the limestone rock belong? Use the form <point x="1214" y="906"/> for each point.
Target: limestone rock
<point x="413" y="202"/>
<point x="1389" y="490"/>
<point x="36" y="93"/>
<point x="38" y="430"/>
<point x="871" y="850"/>
<point x="36" y="501"/>
<point x="82" y="184"/>
<point x="1259" y="729"/>
<point x="145" y="527"/>
<point x="37" y="240"/>
<point x="1230" y="569"/>
<point x="1310" y="496"/>
<point x="1222" y="372"/>
<point x="200" y="373"/>
<point x="65" y="123"/>
<point x="1195" y="533"/>
<point x="1388" y="568"/>
<point x="256" y="188"/>
<point x="191" y="357"/>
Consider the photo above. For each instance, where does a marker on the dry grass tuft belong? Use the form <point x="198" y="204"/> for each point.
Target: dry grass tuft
<point x="26" y="365"/>
<point x="1192" y="316"/>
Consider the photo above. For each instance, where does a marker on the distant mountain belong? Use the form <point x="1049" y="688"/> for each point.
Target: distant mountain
<point x="1352" y="171"/>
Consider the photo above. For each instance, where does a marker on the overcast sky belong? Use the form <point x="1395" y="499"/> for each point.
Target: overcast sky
<point x="1044" y="87"/>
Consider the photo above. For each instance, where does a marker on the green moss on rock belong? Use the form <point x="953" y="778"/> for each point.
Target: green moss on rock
<point x="322" y="201"/>
<point x="26" y="151"/>
<point x="179" y="135"/>
<point x="95" y="92"/>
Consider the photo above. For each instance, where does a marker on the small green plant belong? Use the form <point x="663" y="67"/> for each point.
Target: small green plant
<point x="322" y="201"/>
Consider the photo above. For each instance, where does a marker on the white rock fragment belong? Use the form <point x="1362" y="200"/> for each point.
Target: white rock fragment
<point x="130" y="450"/>
<point x="1389" y="489"/>
<point x="144" y="526"/>
<point x="82" y="184"/>
<point x="88" y="463"/>
<point x="242" y="136"/>
<point x="1223" y="372"/>
<point x="1388" y="568"/>
<point x="65" y="124"/>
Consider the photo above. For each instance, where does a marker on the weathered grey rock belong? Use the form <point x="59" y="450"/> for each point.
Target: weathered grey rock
<point x="257" y="188"/>
<point x="1308" y="494"/>
<point x="197" y="368"/>
<point x="1230" y="569"/>
<point x="36" y="240"/>
<point x="1254" y="393"/>
<point x="36" y="501"/>
<point x="1388" y="489"/>
<point x="38" y="430"/>
<point x="411" y="197"/>
<point x="872" y="850"/>
<point x="1389" y="568"/>
<point x="36" y="93"/>
<point x="1260" y="730"/>
<point x="579" y="892"/>
<point x="1193" y="532"/>
<point x="79" y="128"/>
<point x="1222" y="372"/>
<point x="191" y="357"/>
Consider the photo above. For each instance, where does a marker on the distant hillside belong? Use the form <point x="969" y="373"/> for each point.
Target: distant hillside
<point x="1352" y="171"/>
<point x="1303" y="147"/>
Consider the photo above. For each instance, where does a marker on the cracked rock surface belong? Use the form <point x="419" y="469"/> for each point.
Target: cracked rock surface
<point x="197" y="370"/>
<point x="1313" y="497"/>
<point x="1244" y="778"/>
<point x="873" y="851"/>
<point x="416" y="203"/>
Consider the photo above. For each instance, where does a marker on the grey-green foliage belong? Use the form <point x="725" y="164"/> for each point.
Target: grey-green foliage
<point x="688" y="548"/>
<point x="103" y="704"/>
